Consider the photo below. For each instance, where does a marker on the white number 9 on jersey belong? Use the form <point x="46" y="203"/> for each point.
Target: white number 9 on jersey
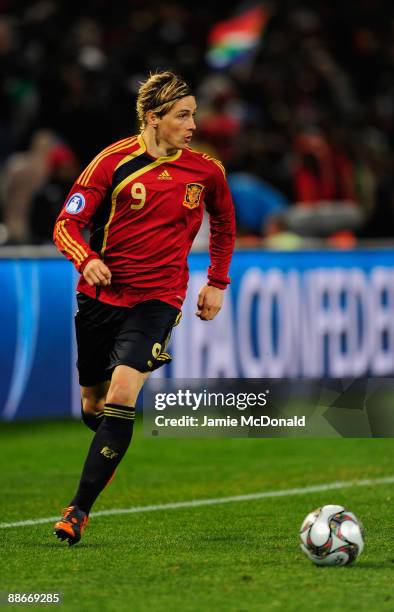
<point x="138" y="193"/>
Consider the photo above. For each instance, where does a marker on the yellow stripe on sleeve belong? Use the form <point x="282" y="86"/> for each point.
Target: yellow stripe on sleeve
<point x="65" y="246"/>
<point x="215" y="161"/>
<point x="76" y="244"/>
<point x="86" y="175"/>
<point x="107" y="149"/>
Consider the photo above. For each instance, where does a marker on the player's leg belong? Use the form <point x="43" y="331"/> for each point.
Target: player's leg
<point x="106" y="451"/>
<point x="96" y="325"/>
<point x="113" y="437"/>
<point x="138" y="349"/>
<point x="74" y="519"/>
<point x="92" y="404"/>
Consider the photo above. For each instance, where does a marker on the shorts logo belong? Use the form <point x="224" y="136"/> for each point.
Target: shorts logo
<point x="75" y="204"/>
<point x="192" y="195"/>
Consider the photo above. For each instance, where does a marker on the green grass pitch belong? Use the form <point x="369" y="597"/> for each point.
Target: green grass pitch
<point x="241" y="556"/>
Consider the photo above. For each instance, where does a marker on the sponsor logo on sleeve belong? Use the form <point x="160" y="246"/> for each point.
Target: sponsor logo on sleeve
<point x="75" y="204"/>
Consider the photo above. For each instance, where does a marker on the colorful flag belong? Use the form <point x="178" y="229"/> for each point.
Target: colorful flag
<point x="233" y="39"/>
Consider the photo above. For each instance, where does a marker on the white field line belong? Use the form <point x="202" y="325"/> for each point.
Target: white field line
<point x="193" y="503"/>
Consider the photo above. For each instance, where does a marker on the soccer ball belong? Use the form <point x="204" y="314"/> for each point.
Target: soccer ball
<point x="331" y="535"/>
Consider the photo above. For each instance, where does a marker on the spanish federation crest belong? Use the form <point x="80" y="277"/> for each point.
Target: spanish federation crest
<point x="192" y="195"/>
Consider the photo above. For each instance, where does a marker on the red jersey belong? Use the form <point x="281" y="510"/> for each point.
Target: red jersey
<point x="143" y="214"/>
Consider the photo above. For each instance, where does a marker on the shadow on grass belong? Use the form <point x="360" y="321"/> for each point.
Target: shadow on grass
<point x="359" y="566"/>
<point x="54" y="546"/>
<point x="368" y="565"/>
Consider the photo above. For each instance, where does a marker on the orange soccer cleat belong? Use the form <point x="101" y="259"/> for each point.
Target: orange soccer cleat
<point x="71" y="525"/>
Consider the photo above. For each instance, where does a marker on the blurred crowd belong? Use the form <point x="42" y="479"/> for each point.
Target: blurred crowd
<point x="304" y="124"/>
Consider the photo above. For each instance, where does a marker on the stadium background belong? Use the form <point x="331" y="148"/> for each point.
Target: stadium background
<point x="301" y="114"/>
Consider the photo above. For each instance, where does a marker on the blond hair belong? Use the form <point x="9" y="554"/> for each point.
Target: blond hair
<point x="159" y="93"/>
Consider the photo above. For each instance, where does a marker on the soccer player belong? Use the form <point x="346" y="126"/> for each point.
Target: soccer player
<point x="142" y="201"/>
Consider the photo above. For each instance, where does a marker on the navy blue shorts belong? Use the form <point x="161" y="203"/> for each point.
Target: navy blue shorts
<point x="108" y="336"/>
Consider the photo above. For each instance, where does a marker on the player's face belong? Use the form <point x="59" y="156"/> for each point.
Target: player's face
<point x="175" y="128"/>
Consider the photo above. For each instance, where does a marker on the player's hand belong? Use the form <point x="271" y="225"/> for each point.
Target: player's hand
<point x="210" y="300"/>
<point x="96" y="273"/>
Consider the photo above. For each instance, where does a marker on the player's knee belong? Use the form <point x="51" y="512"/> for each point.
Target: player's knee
<point x="92" y="405"/>
<point x="124" y="391"/>
<point x="125" y="385"/>
<point x="121" y="393"/>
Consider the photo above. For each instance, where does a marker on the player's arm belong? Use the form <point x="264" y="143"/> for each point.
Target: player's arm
<point x="220" y="208"/>
<point x="80" y="205"/>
